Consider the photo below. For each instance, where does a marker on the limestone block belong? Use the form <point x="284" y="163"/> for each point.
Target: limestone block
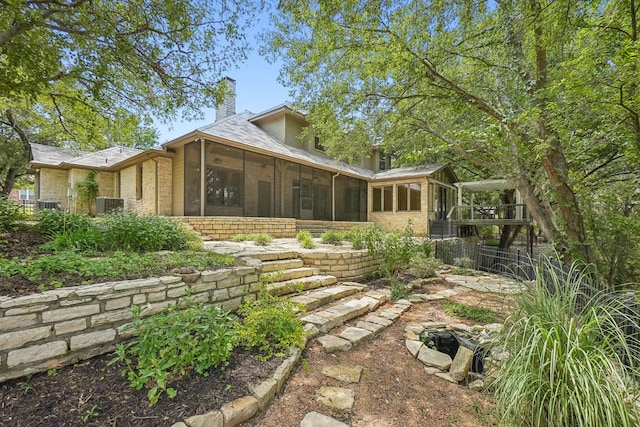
<point x="114" y="304"/>
<point x="373" y="327"/>
<point x="111" y="317"/>
<point x="336" y="397"/>
<point x="413" y="347"/>
<point x="332" y="344"/>
<point x="35" y="353"/>
<point x="140" y="299"/>
<point x="70" y="313"/>
<point x="70" y="326"/>
<point x="461" y="364"/>
<point x="344" y="373"/>
<point x="28" y="300"/>
<point x="356" y="335"/>
<point x="434" y="358"/>
<point x="314" y="419"/>
<point x="13" y="312"/>
<point x="445" y="376"/>
<point x="264" y="392"/>
<point x="210" y="419"/>
<point x="239" y="410"/>
<point x="379" y="320"/>
<point x="215" y="276"/>
<point x="90" y="339"/>
<point x="177" y="292"/>
<point x="17" y="322"/>
<point x="228" y="283"/>
<point x="19" y="338"/>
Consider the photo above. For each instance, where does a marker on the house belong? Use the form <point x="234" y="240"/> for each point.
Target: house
<point x="249" y="172"/>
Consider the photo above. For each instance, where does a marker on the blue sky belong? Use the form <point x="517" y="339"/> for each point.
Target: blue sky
<point x="257" y="88"/>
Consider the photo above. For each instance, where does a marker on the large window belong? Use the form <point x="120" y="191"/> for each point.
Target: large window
<point x="383" y="199"/>
<point x="408" y="197"/>
<point x="224" y="180"/>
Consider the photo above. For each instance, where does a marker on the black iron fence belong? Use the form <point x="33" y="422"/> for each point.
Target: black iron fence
<point x="442" y="229"/>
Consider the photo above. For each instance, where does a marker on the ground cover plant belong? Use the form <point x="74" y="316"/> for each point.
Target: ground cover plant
<point x="568" y="362"/>
<point x="306" y="239"/>
<point x="476" y="314"/>
<point x="260" y="239"/>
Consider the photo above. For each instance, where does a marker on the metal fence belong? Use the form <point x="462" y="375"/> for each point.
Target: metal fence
<point x="442" y="229"/>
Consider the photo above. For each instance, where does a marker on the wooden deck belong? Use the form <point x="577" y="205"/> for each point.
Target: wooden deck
<point x="515" y="214"/>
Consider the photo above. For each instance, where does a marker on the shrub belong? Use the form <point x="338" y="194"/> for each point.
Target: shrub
<point x="270" y="325"/>
<point x="331" y="238"/>
<point x="303" y="235"/>
<point x="423" y="266"/>
<point x="398" y="289"/>
<point x="476" y="314"/>
<point x="260" y="239"/>
<point x="565" y="364"/>
<point x="357" y="238"/>
<point x="126" y="230"/>
<point x="174" y="343"/>
<point x="395" y="249"/>
<point x="10" y="214"/>
<point x="463" y="262"/>
<point x="52" y="222"/>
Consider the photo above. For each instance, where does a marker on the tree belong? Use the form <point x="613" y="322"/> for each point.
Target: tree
<point x="92" y="73"/>
<point x="513" y="87"/>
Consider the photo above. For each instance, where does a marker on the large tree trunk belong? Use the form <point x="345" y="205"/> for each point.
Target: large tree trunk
<point x="13" y="171"/>
<point x="509" y="232"/>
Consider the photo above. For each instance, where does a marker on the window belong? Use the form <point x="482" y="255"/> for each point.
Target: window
<point x="139" y="182"/>
<point x="383" y="160"/>
<point x="317" y="144"/>
<point x="409" y="196"/>
<point x="25" y="194"/>
<point x="382" y="199"/>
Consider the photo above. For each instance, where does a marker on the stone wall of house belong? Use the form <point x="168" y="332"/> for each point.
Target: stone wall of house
<point x="165" y="181"/>
<point x="225" y="227"/>
<point x="128" y="187"/>
<point x="397" y="221"/>
<point x="56" y="188"/>
<point x="341" y="226"/>
<point x="57" y="327"/>
<point x="345" y="265"/>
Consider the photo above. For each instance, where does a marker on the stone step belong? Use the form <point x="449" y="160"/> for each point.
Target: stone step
<point x="301" y="284"/>
<point x="337" y="315"/>
<point x="364" y="330"/>
<point x="272" y="255"/>
<point x="292" y="274"/>
<point x="280" y="265"/>
<point x="318" y="298"/>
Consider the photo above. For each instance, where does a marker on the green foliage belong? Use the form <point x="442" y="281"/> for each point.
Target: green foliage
<point x="395" y="249"/>
<point x="357" y="237"/>
<point x="565" y="363"/>
<point x="398" y="289"/>
<point x="126" y="230"/>
<point x="463" y="262"/>
<point x="52" y="222"/>
<point x="476" y="314"/>
<point x="10" y="214"/>
<point x="88" y="189"/>
<point x="270" y="325"/>
<point x="422" y="265"/>
<point x="260" y="239"/>
<point x="332" y="237"/>
<point x="181" y="340"/>
<point x="306" y="239"/>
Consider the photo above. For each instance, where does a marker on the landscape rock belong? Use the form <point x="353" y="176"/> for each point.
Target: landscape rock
<point x="336" y="397"/>
<point x="461" y="363"/>
<point x="314" y="419"/>
<point x="344" y="373"/>
<point x="434" y="358"/>
<point x="332" y="344"/>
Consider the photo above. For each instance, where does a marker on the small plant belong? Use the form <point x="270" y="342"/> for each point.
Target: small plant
<point x="423" y="266"/>
<point x="174" y="343"/>
<point x="357" y="238"/>
<point x="88" y="189"/>
<point x="26" y="385"/>
<point x="476" y="314"/>
<point x="398" y="289"/>
<point x="260" y="239"/>
<point x="463" y="262"/>
<point x="53" y="222"/>
<point x="270" y="325"/>
<point x="331" y="238"/>
<point x="10" y="214"/>
<point x="90" y="414"/>
<point x="306" y="239"/>
<point x="305" y="364"/>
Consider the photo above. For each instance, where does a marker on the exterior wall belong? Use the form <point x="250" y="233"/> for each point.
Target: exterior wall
<point x="293" y="128"/>
<point x="106" y="188"/>
<point x="341" y="226"/>
<point x="164" y="190"/>
<point x="128" y="187"/>
<point x="55" y="186"/>
<point x="58" y="327"/>
<point x="224" y="228"/>
<point x="177" y="180"/>
<point x="275" y="126"/>
<point x="397" y="220"/>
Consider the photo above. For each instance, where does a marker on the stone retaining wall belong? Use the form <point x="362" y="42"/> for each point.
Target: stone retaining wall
<point x="225" y="227"/>
<point x="344" y="265"/>
<point x="58" y="327"/>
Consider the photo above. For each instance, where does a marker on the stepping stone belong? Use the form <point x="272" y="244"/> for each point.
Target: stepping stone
<point x="355" y="335"/>
<point x="332" y="344"/>
<point x="336" y="397"/>
<point x="344" y="373"/>
<point x="307" y="301"/>
<point x="373" y="327"/>
<point x="373" y="303"/>
<point x="323" y="323"/>
<point x="388" y="314"/>
<point x="413" y="347"/>
<point x="314" y="419"/>
<point x="373" y="318"/>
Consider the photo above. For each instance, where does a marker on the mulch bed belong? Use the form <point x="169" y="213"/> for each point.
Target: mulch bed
<point x="91" y="393"/>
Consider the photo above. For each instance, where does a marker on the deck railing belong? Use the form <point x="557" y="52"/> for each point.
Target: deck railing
<point x="492" y="213"/>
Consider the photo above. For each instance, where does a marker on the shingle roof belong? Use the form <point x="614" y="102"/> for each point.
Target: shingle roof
<point x="51" y="155"/>
<point x="104" y="158"/>
<point x="409" y="172"/>
<point x="240" y="130"/>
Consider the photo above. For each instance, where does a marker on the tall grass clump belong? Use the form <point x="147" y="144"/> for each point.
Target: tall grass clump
<point x="565" y="358"/>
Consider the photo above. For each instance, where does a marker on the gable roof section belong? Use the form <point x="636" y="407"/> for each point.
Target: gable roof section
<point x="415" y="171"/>
<point x="49" y="155"/>
<point x="104" y="159"/>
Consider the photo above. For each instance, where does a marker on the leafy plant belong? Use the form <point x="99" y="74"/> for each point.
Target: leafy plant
<point x="260" y="239"/>
<point x="270" y="325"/>
<point x="422" y="265"/>
<point x="357" y="238"/>
<point x="463" y="262"/>
<point x="88" y="189"/>
<point x="90" y="414"/>
<point x="175" y="342"/>
<point x="332" y="238"/>
<point x="398" y="289"/>
<point x="306" y="239"/>
<point x="476" y="314"/>
<point x="10" y="214"/>
<point x="567" y="358"/>
<point x="53" y="222"/>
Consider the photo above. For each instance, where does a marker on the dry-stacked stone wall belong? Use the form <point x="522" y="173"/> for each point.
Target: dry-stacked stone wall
<point x="224" y="228"/>
<point x="344" y="265"/>
<point x="57" y="327"/>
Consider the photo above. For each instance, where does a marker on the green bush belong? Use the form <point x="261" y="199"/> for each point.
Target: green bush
<point x="422" y="265"/>
<point x="10" y="214"/>
<point x="398" y="289"/>
<point x="303" y="235"/>
<point x="270" y="325"/>
<point x="126" y="230"/>
<point x="260" y="239"/>
<point x="565" y="363"/>
<point x="53" y="222"/>
<point x="331" y="238"/>
<point x="357" y="238"/>
<point x="463" y="262"/>
<point x="476" y="314"/>
<point x="194" y="338"/>
<point x="395" y="249"/>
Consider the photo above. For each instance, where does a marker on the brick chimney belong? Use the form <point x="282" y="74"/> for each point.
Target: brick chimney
<point x="228" y="106"/>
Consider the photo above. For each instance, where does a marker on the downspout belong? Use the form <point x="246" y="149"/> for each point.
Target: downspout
<point x="333" y="196"/>
<point x="156" y="184"/>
